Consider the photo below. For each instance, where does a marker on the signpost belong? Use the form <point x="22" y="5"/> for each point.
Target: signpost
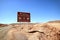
<point x="23" y="17"/>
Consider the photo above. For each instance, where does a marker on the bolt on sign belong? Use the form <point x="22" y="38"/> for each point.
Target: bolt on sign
<point x="23" y="17"/>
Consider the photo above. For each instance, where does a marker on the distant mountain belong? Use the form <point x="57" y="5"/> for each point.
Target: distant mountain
<point x="2" y="25"/>
<point x="56" y="21"/>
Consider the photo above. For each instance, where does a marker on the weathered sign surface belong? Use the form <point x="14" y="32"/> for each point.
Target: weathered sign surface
<point x="23" y="17"/>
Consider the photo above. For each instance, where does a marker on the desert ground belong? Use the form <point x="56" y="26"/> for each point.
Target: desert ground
<point x="30" y="31"/>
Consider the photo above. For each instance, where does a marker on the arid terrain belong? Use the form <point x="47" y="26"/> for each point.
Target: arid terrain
<point x="30" y="31"/>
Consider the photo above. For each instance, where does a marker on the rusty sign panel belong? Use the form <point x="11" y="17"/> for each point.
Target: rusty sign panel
<point x="23" y="17"/>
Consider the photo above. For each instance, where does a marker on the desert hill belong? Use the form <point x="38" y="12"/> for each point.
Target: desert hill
<point x="2" y="25"/>
<point x="31" y="31"/>
<point x="56" y="21"/>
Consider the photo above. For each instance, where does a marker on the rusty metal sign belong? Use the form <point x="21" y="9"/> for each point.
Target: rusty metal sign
<point x="23" y="17"/>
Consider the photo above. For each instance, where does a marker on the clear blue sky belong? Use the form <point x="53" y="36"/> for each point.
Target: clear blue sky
<point x="41" y="10"/>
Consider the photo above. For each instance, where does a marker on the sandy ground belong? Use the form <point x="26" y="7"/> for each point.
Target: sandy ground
<point x="31" y="31"/>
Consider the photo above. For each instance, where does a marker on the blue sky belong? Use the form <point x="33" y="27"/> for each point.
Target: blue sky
<point x="41" y="10"/>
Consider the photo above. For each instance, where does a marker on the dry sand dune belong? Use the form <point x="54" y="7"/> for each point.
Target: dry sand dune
<point x="31" y="31"/>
